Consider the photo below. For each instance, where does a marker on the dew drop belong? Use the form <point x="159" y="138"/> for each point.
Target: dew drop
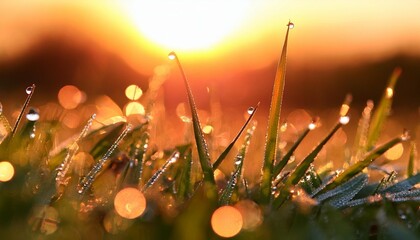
<point x="406" y="135"/>
<point x="344" y="120"/>
<point x="172" y="56"/>
<point x="291" y="25"/>
<point x="32" y="115"/>
<point x="251" y="110"/>
<point x="29" y="90"/>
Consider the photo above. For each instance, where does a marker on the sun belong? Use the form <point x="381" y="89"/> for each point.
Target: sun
<point x="186" y="24"/>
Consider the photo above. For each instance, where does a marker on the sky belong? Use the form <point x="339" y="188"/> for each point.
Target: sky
<point x="245" y="34"/>
<point x="230" y="45"/>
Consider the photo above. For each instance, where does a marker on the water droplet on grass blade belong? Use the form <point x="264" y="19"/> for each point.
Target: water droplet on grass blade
<point x="344" y="120"/>
<point x="291" y="25"/>
<point x="29" y="90"/>
<point x="172" y="56"/>
<point x="251" y="110"/>
<point x="32" y="115"/>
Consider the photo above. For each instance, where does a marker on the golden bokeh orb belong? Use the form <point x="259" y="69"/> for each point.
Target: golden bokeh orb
<point x="226" y="221"/>
<point x="130" y="203"/>
<point x="7" y="171"/>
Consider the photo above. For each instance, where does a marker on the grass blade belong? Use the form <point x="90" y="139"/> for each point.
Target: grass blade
<point x="283" y="162"/>
<point x="226" y="195"/>
<point x="184" y="180"/>
<point x="273" y="123"/>
<point x="404" y="185"/>
<point x="172" y="159"/>
<point x="359" y="166"/>
<point x="382" y="111"/>
<point x="30" y="91"/>
<point x="202" y="148"/>
<point x="301" y="169"/>
<point x="412" y="159"/>
<point x="359" y="146"/>
<point x="223" y="155"/>
<point x="97" y="169"/>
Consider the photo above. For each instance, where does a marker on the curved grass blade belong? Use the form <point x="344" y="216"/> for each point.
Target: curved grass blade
<point x="30" y="91"/>
<point x="412" y="159"/>
<point x="226" y="195"/>
<point x="359" y="166"/>
<point x="339" y="196"/>
<point x="173" y="158"/>
<point x="223" y="155"/>
<point x="202" y="148"/>
<point x="301" y="169"/>
<point x="273" y="123"/>
<point x="283" y="162"/>
<point x="382" y="111"/>
<point x="404" y="185"/>
<point x="88" y="180"/>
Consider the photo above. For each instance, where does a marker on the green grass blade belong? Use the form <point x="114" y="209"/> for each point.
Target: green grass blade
<point x="172" y="159"/>
<point x="98" y="168"/>
<point x="184" y="181"/>
<point x="339" y="196"/>
<point x="359" y="166"/>
<point x="273" y="124"/>
<point x="381" y="113"/>
<point x="101" y="146"/>
<point x="202" y="148"/>
<point x="283" y="162"/>
<point x="412" y="159"/>
<point x="223" y="155"/>
<point x="226" y="195"/>
<point x="403" y="185"/>
<point x="301" y="169"/>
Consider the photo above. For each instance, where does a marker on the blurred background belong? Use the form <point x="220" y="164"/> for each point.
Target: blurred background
<point x="229" y="50"/>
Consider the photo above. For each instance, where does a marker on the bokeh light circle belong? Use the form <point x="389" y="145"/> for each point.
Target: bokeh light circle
<point x="226" y="221"/>
<point x="130" y="203"/>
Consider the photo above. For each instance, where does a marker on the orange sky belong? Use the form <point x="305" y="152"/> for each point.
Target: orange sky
<point x="325" y="30"/>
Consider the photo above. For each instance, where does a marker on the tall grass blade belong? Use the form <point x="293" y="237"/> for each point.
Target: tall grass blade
<point x="273" y="123"/>
<point x="223" y="155"/>
<point x="381" y="113"/>
<point x="301" y="169"/>
<point x="88" y="180"/>
<point x="5" y="124"/>
<point x="202" y="148"/>
<point x="412" y="159"/>
<point x="359" y="166"/>
<point x="226" y="195"/>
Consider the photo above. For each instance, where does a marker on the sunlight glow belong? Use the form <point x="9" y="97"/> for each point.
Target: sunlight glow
<point x="7" y="171"/>
<point x="186" y="24"/>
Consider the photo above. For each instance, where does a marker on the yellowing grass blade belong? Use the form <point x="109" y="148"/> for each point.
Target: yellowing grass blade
<point x="203" y="152"/>
<point x="273" y="123"/>
<point x="382" y="111"/>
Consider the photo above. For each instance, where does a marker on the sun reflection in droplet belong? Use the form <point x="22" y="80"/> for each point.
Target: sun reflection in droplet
<point x="226" y="221"/>
<point x="130" y="203"/>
